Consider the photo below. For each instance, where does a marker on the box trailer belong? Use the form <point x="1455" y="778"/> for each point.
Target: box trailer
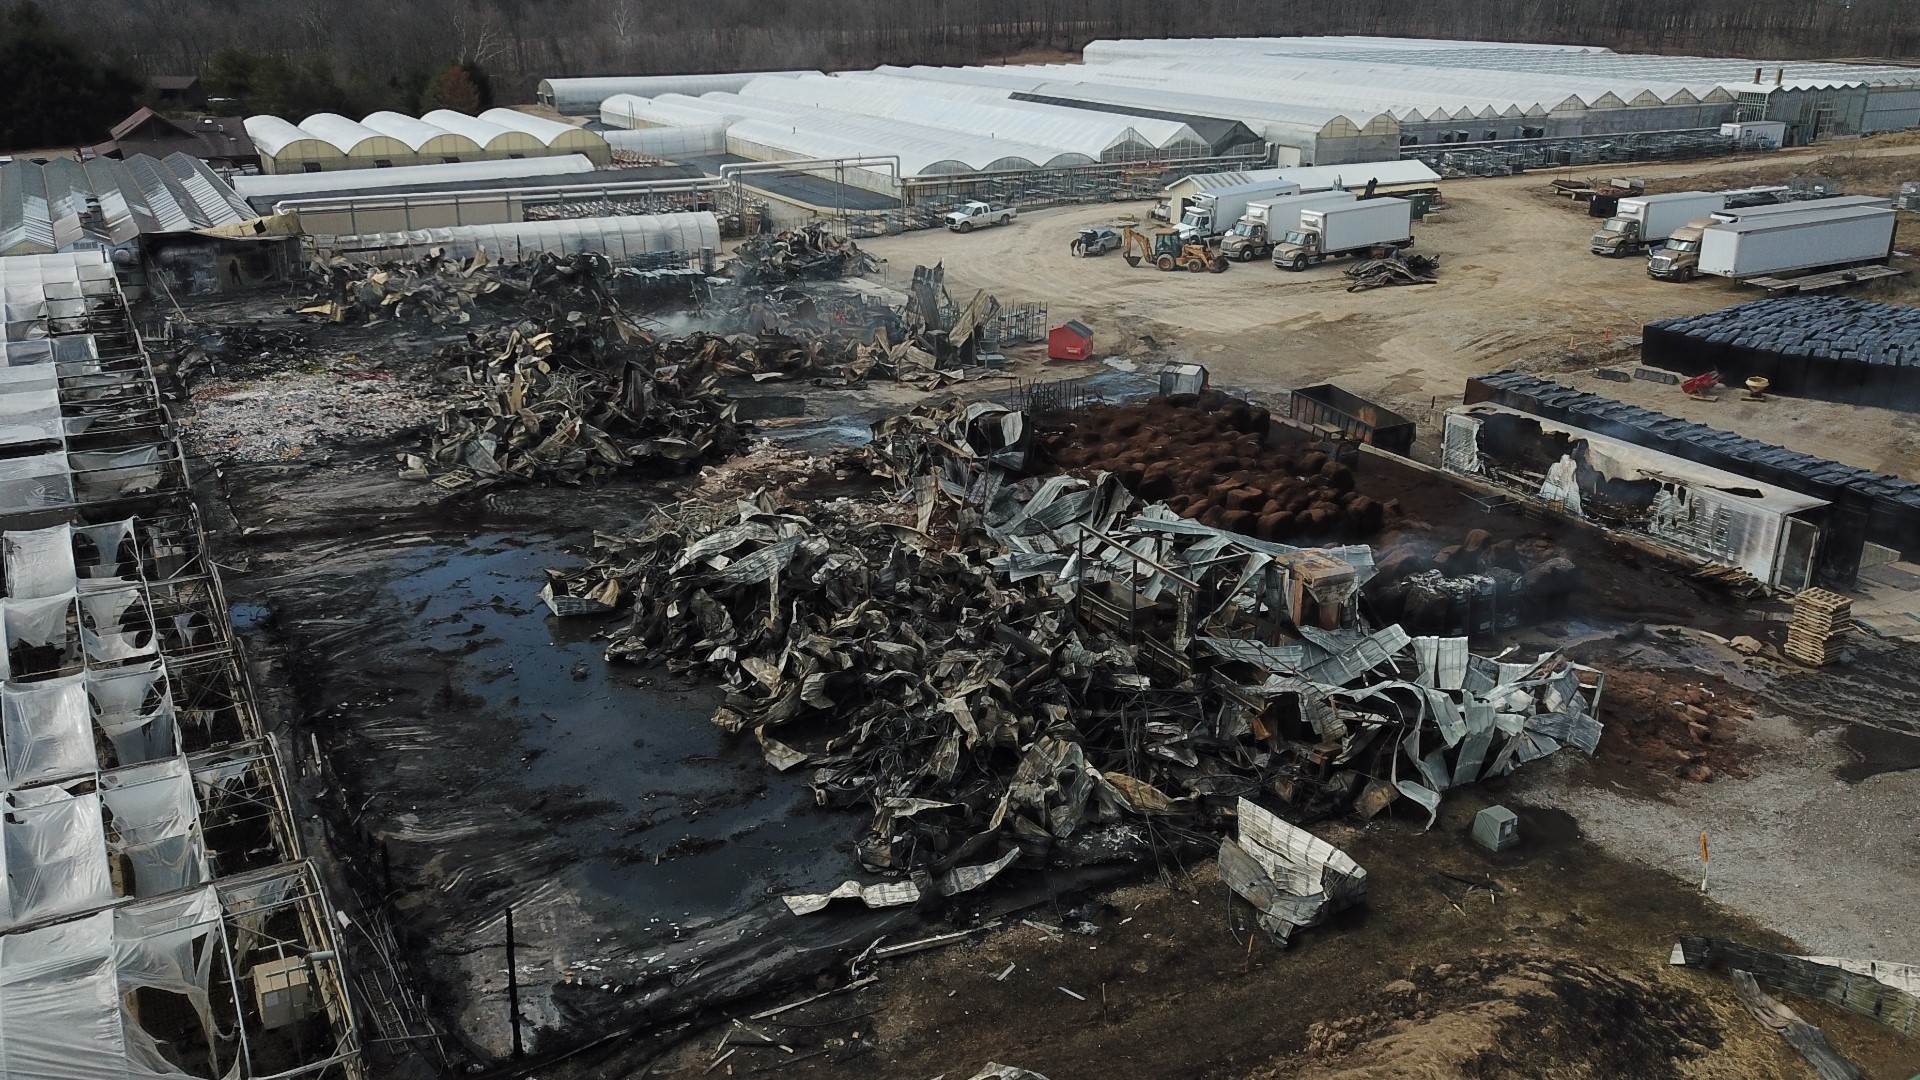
<point x="1266" y="221"/>
<point x="1356" y="228"/>
<point x="1648" y="219"/>
<point x="1211" y="213"/>
<point x="1679" y="258"/>
<point x="1355" y="417"/>
<point x="1794" y="243"/>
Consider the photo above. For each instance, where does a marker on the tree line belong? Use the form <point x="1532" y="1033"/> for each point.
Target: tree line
<point x="293" y="57"/>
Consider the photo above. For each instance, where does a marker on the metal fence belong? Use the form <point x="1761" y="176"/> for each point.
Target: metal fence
<point x="1509" y="157"/>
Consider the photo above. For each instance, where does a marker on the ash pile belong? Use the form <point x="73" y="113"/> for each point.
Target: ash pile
<point x="1005" y="670"/>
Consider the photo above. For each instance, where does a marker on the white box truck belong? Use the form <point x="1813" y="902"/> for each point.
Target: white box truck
<point x="1211" y="213"/>
<point x="1266" y="221"/>
<point x="1648" y="219"/>
<point x="1353" y="229"/>
<point x="1826" y="239"/>
<point x="1679" y="258"/>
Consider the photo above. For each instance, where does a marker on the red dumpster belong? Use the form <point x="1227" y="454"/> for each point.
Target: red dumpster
<point x="1071" y="340"/>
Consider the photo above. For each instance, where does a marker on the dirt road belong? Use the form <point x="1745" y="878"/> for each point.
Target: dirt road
<point x="1516" y="279"/>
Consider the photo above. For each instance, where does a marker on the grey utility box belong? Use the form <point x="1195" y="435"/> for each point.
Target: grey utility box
<point x="1496" y="828"/>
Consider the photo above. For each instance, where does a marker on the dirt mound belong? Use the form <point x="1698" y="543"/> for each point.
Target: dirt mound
<point x="1686" y="728"/>
<point x="1218" y="460"/>
<point x="1507" y="1018"/>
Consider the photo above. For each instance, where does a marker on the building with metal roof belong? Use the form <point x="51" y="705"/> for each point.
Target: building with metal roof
<point x="110" y="205"/>
<point x="221" y="141"/>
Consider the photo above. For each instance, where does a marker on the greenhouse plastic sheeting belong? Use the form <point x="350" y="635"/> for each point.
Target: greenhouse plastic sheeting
<point x="668" y="142"/>
<point x="617" y="237"/>
<point x="55" y="860"/>
<point x="48" y="730"/>
<point x="65" y="990"/>
<point x="415" y="177"/>
<point x="153" y="822"/>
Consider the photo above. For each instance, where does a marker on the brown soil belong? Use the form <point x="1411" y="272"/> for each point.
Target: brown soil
<point x="1673" y="726"/>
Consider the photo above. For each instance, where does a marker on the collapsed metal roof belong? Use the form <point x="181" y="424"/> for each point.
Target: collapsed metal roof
<point x="68" y="205"/>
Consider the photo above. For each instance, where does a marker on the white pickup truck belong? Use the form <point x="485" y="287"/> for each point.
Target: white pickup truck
<point x="976" y="215"/>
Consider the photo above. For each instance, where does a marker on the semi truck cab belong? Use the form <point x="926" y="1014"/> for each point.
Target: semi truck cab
<point x="1617" y="236"/>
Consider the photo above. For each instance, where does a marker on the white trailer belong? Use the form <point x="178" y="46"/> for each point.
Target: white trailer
<point x="1805" y="206"/>
<point x="1649" y="219"/>
<point x="1267" y="220"/>
<point x="1793" y="243"/>
<point x="1353" y="229"/>
<point x="1211" y="213"/>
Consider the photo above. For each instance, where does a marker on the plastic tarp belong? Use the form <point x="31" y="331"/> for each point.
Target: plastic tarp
<point x="153" y="822"/>
<point x="65" y="1012"/>
<point x="48" y="730"/>
<point x="55" y="856"/>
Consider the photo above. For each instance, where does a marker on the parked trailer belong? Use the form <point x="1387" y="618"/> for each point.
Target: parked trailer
<point x="1211" y="213"/>
<point x="1679" y="258"/>
<point x="1266" y="221"/>
<point x="1356" y="228"/>
<point x="1823" y="240"/>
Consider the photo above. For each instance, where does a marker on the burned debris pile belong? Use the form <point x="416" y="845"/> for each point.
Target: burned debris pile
<point x="1399" y="268"/>
<point x="1048" y="670"/>
<point x="807" y="254"/>
<point x="1217" y="460"/>
<point x="1477" y="587"/>
<point x="443" y="291"/>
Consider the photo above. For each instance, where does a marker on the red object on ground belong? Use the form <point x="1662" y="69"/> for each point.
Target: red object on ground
<point x="1701" y="383"/>
<point x="1071" y="340"/>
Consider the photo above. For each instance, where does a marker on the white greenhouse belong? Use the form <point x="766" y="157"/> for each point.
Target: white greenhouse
<point x="363" y="147"/>
<point x="429" y="143"/>
<point x="557" y="137"/>
<point x="285" y="148"/>
<point x="494" y="141"/>
<point x="621" y="239"/>
<point x="583" y="96"/>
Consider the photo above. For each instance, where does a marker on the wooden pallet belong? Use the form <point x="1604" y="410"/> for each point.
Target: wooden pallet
<point x="1820" y="618"/>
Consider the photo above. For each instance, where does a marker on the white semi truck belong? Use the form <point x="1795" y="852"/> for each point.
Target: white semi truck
<point x="1645" y="220"/>
<point x="1823" y="239"/>
<point x="1266" y="221"/>
<point x="1211" y="213"/>
<point x="1356" y="228"/>
<point x="1679" y="258"/>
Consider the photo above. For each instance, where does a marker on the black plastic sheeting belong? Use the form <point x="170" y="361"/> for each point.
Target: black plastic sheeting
<point x="1867" y="506"/>
<point x="1826" y="347"/>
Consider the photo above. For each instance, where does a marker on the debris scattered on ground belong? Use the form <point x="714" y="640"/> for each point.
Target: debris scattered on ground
<point x="442" y="291"/>
<point x="1293" y="878"/>
<point x="1477" y="586"/>
<point x="1045" y="668"/>
<point x="1400" y="268"/>
<point x="996" y="1071"/>
<point x="809" y="253"/>
<point x="1802" y="1036"/>
<point x="296" y="415"/>
<point x="1882" y="992"/>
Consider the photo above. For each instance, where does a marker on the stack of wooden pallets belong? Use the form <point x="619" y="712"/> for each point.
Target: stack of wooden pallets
<point x="1819" y="619"/>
